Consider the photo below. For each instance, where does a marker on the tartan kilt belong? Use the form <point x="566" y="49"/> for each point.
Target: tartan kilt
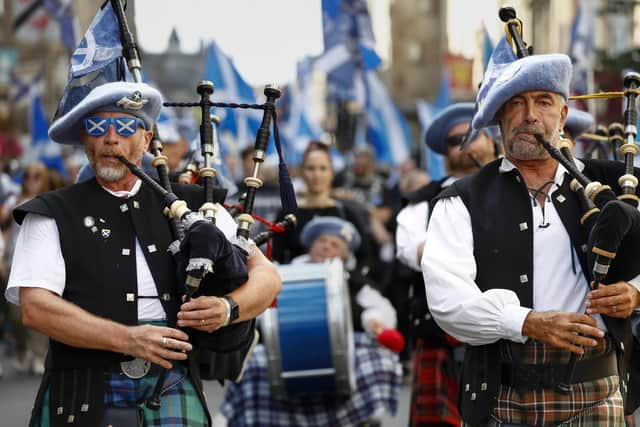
<point x="434" y="392"/>
<point x="180" y="403"/>
<point x="595" y="403"/>
<point x="378" y="376"/>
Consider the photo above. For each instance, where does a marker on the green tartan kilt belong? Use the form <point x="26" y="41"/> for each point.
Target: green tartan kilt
<point x="180" y="403"/>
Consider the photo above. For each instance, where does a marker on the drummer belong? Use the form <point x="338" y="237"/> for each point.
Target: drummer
<point x="377" y="369"/>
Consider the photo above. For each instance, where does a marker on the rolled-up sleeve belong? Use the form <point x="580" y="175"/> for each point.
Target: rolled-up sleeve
<point x="455" y="301"/>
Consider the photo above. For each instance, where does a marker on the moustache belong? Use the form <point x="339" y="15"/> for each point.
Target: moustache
<point x="528" y="129"/>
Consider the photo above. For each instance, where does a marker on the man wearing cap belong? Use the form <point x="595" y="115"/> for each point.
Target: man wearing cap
<point x="377" y="371"/>
<point x="505" y="267"/>
<point x="91" y="270"/>
<point x="434" y="391"/>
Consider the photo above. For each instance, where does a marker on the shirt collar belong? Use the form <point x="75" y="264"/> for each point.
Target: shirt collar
<point x="506" y="166"/>
<point x="124" y="194"/>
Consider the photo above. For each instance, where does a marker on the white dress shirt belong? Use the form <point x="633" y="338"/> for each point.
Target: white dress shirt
<point x="38" y="239"/>
<point x="479" y="318"/>
<point x="411" y="230"/>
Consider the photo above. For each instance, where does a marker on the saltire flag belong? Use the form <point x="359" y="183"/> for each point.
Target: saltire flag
<point x="97" y="60"/>
<point x="582" y="47"/>
<point x="62" y="12"/>
<point x="349" y="45"/>
<point x="24" y="88"/>
<point x="387" y="129"/>
<point x="298" y="126"/>
<point x="42" y="148"/>
<point x="238" y="127"/>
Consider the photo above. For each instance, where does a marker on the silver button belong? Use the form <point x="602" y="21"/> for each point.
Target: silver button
<point x="166" y="296"/>
<point x="483" y="386"/>
<point x="518" y="178"/>
<point x="561" y="198"/>
<point x="71" y="418"/>
<point x="94" y="229"/>
<point x="524" y="278"/>
<point x="584" y="248"/>
<point x="124" y="207"/>
<point x="136" y="204"/>
<point x="84" y="407"/>
<point x="126" y="251"/>
<point x="523" y="226"/>
<point x="89" y="221"/>
<point x="59" y="410"/>
<point x="131" y="297"/>
<point x="466" y="387"/>
<point x="152" y="248"/>
<point x="473" y="396"/>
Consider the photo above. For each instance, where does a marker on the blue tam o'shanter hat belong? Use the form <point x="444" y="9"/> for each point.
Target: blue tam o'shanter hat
<point x="436" y="134"/>
<point x="137" y="99"/>
<point x="578" y="122"/>
<point x="507" y="76"/>
<point x="330" y="225"/>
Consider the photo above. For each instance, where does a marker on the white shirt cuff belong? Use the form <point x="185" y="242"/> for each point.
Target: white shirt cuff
<point x="635" y="282"/>
<point x="513" y="320"/>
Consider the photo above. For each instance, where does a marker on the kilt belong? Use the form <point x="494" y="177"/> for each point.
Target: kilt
<point x="434" y="392"/>
<point x="378" y="376"/>
<point x="592" y="403"/>
<point x="180" y="403"/>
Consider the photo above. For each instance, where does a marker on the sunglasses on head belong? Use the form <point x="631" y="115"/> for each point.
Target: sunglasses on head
<point x="124" y="126"/>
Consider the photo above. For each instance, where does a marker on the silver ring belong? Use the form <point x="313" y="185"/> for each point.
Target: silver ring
<point x="164" y="341"/>
<point x="614" y="308"/>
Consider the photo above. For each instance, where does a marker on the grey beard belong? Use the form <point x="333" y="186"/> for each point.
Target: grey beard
<point x="111" y="174"/>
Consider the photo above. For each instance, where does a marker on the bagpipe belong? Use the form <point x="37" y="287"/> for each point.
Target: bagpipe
<point x="207" y="262"/>
<point x="612" y="221"/>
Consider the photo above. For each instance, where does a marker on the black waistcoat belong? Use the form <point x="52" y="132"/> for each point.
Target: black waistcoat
<point x="501" y="221"/>
<point x="97" y="237"/>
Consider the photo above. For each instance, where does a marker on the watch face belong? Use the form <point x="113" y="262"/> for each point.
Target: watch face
<point x="235" y="310"/>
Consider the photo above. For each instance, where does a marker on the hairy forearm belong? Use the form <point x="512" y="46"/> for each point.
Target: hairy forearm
<point x="257" y="294"/>
<point x="65" y="322"/>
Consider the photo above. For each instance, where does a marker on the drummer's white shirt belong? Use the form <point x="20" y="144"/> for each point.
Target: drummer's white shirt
<point x="477" y="317"/>
<point x="38" y="261"/>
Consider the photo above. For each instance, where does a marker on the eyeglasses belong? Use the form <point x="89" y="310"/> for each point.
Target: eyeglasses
<point x="124" y="126"/>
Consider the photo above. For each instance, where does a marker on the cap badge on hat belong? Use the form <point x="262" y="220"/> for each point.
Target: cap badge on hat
<point x="133" y="102"/>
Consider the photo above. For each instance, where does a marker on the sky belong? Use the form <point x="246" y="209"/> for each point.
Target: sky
<point x="264" y="38"/>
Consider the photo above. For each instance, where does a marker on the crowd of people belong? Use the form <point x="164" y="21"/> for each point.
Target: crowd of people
<point x="475" y="289"/>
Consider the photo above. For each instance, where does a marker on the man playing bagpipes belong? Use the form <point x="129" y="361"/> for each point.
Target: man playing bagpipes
<point x="506" y="267"/>
<point x="92" y="271"/>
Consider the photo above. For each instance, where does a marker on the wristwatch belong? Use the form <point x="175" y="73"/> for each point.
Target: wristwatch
<point x="234" y="310"/>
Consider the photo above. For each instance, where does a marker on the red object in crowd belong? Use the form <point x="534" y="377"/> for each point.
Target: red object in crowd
<point x="391" y="339"/>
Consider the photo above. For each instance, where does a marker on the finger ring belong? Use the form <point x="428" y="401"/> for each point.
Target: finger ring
<point x="614" y="308"/>
<point x="164" y="341"/>
<point x="202" y="321"/>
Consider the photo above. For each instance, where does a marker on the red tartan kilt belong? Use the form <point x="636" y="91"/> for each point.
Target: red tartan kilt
<point x="434" y="394"/>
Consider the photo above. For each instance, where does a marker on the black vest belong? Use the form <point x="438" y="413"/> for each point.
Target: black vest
<point x="500" y="211"/>
<point x="97" y="237"/>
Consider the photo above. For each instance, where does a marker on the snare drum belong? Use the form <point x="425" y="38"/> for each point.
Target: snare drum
<point x="309" y="337"/>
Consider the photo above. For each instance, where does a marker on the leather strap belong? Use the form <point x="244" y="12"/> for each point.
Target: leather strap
<point x="549" y="375"/>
